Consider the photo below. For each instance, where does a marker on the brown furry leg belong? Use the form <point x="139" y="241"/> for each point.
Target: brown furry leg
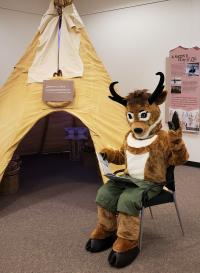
<point x="106" y="226"/>
<point x="122" y="245"/>
<point x="127" y="232"/>
<point x="103" y="236"/>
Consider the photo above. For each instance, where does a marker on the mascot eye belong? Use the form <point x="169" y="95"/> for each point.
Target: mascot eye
<point x="144" y="115"/>
<point x="130" y="116"/>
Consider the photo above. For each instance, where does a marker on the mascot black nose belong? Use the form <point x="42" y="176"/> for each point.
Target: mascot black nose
<point x="138" y="130"/>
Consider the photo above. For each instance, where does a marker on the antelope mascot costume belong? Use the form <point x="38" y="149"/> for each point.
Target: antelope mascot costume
<point x="147" y="152"/>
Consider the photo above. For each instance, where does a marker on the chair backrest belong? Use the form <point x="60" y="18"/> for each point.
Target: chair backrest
<point x="170" y="182"/>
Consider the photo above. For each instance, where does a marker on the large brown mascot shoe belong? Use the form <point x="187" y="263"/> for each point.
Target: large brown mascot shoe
<point x="122" y="259"/>
<point x="104" y="235"/>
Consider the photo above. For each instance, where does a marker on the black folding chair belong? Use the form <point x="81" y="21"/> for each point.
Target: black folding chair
<point x="167" y="195"/>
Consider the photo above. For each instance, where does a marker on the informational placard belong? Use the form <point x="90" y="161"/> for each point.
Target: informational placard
<point x="184" y="85"/>
<point x="58" y="90"/>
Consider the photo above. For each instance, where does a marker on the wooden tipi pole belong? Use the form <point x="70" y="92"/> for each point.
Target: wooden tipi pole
<point x="62" y="3"/>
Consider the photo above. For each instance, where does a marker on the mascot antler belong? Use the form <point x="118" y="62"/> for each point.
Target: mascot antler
<point x="158" y="89"/>
<point x="115" y="96"/>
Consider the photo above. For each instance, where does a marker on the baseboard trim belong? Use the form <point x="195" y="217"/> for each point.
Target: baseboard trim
<point x="193" y="164"/>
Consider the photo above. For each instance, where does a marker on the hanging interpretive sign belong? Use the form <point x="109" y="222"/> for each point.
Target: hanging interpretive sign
<point x="58" y="90"/>
<point x="184" y="95"/>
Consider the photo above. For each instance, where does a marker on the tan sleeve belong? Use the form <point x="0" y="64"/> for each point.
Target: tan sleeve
<point x="177" y="150"/>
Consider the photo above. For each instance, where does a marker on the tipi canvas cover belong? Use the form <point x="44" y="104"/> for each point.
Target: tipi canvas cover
<point x="21" y="104"/>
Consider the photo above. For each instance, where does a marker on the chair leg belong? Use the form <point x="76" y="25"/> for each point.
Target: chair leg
<point x="141" y="228"/>
<point x="151" y="212"/>
<point x="178" y="214"/>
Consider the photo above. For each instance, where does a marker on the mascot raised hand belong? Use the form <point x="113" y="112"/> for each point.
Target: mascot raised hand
<point x="147" y="152"/>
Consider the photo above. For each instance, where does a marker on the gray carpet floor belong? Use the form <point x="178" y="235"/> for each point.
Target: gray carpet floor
<point x="44" y="227"/>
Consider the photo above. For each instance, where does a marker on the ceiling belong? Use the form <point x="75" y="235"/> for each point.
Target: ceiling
<point x="88" y="6"/>
<point x="83" y="6"/>
<point x="36" y="6"/>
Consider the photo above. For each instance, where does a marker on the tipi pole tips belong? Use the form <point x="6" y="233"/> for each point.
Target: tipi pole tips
<point x="62" y="3"/>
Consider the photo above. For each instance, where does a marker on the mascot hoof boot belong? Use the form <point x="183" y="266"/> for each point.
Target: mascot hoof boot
<point x="123" y="259"/>
<point x="97" y="245"/>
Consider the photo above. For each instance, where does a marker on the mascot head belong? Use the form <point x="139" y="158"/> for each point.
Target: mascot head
<point x="142" y="109"/>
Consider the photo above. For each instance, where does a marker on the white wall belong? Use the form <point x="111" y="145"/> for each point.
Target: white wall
<point x="18" y="23"/>
<point x="132" y="42"/>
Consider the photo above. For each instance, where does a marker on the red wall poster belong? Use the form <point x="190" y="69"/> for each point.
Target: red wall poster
<point x="184" y="95"/>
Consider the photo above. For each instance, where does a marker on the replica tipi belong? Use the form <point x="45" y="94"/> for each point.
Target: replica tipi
<point x="21" y="104"/>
